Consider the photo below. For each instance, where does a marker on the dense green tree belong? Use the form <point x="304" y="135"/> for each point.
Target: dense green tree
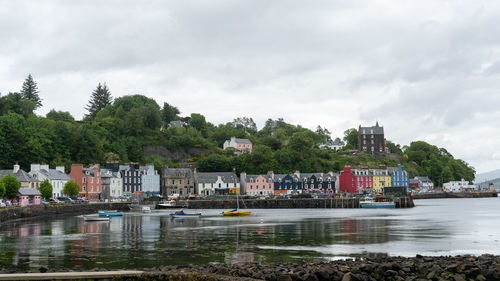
<point x="2" y="190"/>
<point x="60" y="116"/>
<point x="11" y="185"/>
<point x="99" y="99"/>
<point x="30" y="91"/>
<point x="14" y="102"/>
<point x="351" y="137"/>
<point x="197" y="121"/>
<point x="46" y="189"/>
<point x="169" y="113"/>
<point x="71" y="188"/>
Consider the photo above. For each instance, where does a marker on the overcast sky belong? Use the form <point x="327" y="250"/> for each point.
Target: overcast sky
<point x="426" y="70"/>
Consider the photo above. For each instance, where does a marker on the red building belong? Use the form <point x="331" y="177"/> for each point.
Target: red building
<point x="88" y="179"/>
<point x="364" y="180"/>
<point x="348" y="182"/>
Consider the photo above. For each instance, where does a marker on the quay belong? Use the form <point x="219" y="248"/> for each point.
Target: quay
<point x="441" y="195"/>
<point x="299" y="203"/>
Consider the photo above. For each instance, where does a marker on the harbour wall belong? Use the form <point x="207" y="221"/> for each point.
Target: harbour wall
<point x="303" y="203"/>
<point x="45" y="211"/>
<point x="440" y="195"/>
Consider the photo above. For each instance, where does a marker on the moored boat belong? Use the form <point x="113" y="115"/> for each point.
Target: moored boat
<point x="170" y="204"/>
<point x="236" y="213"/>
<point x="182" y="214"/>
<point x="371" y="203"/>
<point x="109" y="213"/>
<point x="95" y="218"/>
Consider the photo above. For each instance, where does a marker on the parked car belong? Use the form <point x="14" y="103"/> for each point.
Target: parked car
<point x="67" y="200"/>
<point x="54" y="201"/>
<point x="2" y="204"/>
<point x="44" y="202"/>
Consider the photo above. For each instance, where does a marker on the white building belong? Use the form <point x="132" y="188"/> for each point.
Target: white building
<point x="458" y="186"/>
<point x="335" y="145"/>
<point x="216" y="183"/>
<point x="112" y="184"/>
<point x="150" y="180"/>
<point x="57" y="177"/>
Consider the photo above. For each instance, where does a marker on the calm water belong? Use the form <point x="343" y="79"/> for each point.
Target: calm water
<point x="434" y="227"/>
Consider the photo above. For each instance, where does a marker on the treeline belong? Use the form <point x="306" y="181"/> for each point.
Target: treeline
<point x="116" y="130"/>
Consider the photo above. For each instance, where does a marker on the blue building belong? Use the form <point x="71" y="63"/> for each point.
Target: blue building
<point x="150" y="180"/>
<point x="287" y="185"/>
<point x="399" y="177"/>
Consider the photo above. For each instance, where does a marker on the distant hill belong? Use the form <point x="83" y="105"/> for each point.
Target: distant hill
<point x="488" y="176"/>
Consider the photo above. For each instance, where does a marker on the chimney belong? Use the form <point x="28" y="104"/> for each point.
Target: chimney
<point x="44" y="167"/>
<point x="271" y="173"/>
<point x="16" y="168"/>
<point x="35" y="167"/>
<point x="297" y="173"/>
<point x="60" y="168"/>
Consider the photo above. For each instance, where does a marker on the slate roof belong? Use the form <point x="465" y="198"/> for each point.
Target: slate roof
<point x="254" y="177"/>
<point x="377" y="130"/>
<point x="21" y="175"/>
<point x="177" y="123"/>
<point x="227" y="177"/>
<point x="53" y="174"/>
<point x="108" y="173"/>
<point x="423" y="179"/>
<point x="176" y="172"/>
<point x="90" y="170"/>
<point x="243" y="141"/>
<point x="28" y="191"/>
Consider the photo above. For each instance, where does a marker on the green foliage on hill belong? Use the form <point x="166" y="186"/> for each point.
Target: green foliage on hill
<point x="120" y="130"/>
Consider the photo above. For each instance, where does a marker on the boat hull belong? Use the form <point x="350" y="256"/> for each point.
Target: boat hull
<point x="93" y="218"/>
<point x="186" y="216"/>
<point x="110" y="214"/>
<point x="236" y="214"/>
<point x="376" y="205"/>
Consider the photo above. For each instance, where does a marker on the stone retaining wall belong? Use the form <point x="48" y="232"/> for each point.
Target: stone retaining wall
<point x="438" y="195"/>
<point x="7" y="214"/>
<point x="327" y="203"/>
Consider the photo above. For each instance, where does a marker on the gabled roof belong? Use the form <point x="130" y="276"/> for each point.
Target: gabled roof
<point x="243" y="141"/>
<point x="377" y="130"/>
<point x="28" y="191"/>
<point x="53" y="174"/>
<point x="228" y="177"/>
<point x="184" y="172"/>
<point x="21" y="175"/>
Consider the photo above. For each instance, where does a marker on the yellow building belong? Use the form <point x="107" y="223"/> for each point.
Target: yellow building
<point x="381" y="179"/>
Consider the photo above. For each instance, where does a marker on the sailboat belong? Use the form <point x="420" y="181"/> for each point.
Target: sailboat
<point x="235" y="212"/>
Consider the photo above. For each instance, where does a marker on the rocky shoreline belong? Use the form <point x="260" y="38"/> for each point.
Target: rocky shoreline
<point x="419" y="268"/>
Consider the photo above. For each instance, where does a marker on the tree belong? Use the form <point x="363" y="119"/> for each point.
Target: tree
<point x="14" y="102"/>
<point x="246" y="122"/>
<point x="2" y="190"/>
<point x="100" y="98"/>
<point x="169" y="113"/>
<point x="197" y="121"/>
<point x="351" y="137"/>
<point x="71" y="188"/>
<point x="11" y="185"/>
<point x="30" y="91"/>
<point x="60" y="116"/>
<point x="46" y="189"/>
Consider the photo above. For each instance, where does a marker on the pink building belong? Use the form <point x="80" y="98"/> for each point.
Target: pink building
<point x="28" y="196"/>
<point x="239" y="145"/>
<point x="260" y="185"/>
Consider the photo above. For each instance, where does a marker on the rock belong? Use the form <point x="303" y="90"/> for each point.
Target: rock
<point x="344" y="268"/>
<point x="390" y="273"/>
<point x="458" y="277"/>
<point x="284" y="278"/>
<point x="350" y="277"/>
<point x="43" y="269"/>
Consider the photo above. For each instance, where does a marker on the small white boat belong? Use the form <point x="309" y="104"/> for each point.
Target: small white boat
<point x="95" y="218"/>
<point x="145" y="209"/>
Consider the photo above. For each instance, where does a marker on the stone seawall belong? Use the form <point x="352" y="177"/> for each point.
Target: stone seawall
<point x="327" y="203"/>
<point x="7" y="214"/>
<point x="439" y="195"/>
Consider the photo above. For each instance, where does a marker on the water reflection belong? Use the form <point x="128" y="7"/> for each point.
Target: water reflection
<point x="148" y="240"/>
